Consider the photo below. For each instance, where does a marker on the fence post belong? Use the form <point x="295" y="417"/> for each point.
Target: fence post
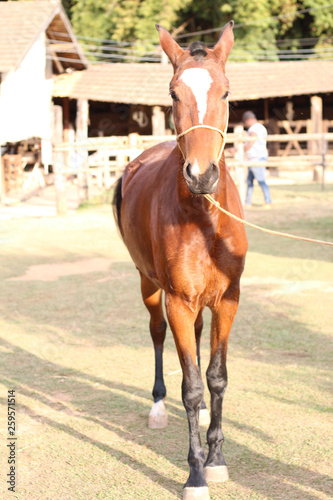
<point x="60" y="182"/>
<point x="82" y="118"/>
<point x="316" y="122"/>
<point x="2" y="177"/>
<point x="59" y="164"/>
<point x="240" y="163"/>
<point x="323" y="153"/>
<point x="158" y="121"/>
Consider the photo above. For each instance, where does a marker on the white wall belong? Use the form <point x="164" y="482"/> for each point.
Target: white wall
<point x="25" y="98"/>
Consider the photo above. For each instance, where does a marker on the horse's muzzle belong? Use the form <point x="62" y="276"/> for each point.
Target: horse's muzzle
<point x="201" y="183"/>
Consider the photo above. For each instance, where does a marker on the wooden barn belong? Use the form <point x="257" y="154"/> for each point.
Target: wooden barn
<point x="49" y="95"/>
<point x="32" y="36"/>
<point x="125" y="98"/>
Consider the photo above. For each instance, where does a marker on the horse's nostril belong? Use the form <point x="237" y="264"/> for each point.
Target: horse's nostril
<point x="214" y="171"/>
<point x="214" y="167"/>
<point x="188" y="171"/>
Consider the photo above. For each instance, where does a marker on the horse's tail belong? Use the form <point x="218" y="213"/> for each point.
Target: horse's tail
<point x="116" y="203"/>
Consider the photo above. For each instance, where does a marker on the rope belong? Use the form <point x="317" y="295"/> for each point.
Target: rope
<point x="263" y="229"/>
<point x="216" y="203"/>
<point x="223" y="133"/>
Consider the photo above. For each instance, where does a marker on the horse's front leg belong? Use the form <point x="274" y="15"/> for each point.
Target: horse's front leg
<point x="204" y="417"/>
<point x="222" y="319"/>
<point x="182" y="320"/>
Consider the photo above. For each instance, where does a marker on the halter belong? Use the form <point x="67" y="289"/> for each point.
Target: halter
<point x="223" y="134"/>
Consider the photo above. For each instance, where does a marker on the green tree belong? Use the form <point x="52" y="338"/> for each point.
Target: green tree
<point x="258" y="25"/>
<point x="124" y="20"/>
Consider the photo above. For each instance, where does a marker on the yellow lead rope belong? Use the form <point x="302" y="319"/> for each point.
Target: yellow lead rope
<point x="223" y="134"/>
<point x="263" y="229"/>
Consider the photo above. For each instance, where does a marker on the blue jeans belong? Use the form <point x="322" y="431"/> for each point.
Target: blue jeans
<point x="259" y="174"/>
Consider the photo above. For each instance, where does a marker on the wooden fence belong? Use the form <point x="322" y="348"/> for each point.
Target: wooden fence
<point x="100" y="161"/>
<point x="105" y="157"/>
<point x="97" y="162"/>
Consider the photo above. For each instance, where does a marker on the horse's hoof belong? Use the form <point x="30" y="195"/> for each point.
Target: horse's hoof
<point x="217" y="474"/>
<point x="158" y="417"/>
<point x="204" y="417"/>
<point x="191" y="493"/>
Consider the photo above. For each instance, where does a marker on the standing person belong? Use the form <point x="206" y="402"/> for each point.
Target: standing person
<point x="256" y="152"/>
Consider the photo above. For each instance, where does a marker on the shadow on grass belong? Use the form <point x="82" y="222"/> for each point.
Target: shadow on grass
<point x="42" y="381"/>
<point x="166" y="482"/>
<point x="89" y="402"/>
<point x="105" y="309"/>
<point x="266" y="329"/>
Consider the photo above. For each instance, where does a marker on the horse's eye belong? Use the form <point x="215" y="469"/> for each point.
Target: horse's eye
<point x="173" y="96"/>
<point x="226" y="94"/>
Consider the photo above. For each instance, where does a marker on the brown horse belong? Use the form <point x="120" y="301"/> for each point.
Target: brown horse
<point x="183" y="245"/>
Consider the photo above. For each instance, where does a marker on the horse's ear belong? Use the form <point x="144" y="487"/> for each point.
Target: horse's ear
<point x="168" y="44"/>
<point x="224" y="44"/>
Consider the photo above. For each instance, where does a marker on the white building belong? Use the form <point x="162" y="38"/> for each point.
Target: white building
<point x="36" y="43"/>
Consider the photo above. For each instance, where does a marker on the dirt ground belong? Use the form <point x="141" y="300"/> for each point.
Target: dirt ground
<point x="74" y="344"/>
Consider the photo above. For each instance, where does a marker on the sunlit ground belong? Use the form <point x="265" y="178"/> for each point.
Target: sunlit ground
<point x="75" y="346"/>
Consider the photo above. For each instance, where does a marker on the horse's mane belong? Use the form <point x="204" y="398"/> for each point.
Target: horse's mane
<point x="198" y="50"/>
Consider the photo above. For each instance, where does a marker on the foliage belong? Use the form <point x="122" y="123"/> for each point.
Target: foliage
<point x="258" y="25"/>
<point x="124" y="20"/>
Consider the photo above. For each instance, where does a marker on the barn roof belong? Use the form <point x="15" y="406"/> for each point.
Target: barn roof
<point x="21" y="23"/>
<point x="147" y="83"/>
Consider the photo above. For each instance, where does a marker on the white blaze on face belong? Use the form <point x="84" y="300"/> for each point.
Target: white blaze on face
<point x="199" y="81"/>
<point x="195" y="167"/>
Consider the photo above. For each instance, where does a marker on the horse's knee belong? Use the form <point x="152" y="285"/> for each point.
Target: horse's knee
<point x="217" y="377"/>
<point x="217" y="383"/>
<point x="158" y="326"/>
<point x="158" y="331"/>
<point x="192" y="389"/>
<point x="192" y="396"/>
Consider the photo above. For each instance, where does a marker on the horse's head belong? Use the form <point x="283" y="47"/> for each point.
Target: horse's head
<point x="199" y="89"/>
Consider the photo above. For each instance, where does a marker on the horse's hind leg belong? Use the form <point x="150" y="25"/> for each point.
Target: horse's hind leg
<point x="204" y="417"/>
<point x="151" y="295"/>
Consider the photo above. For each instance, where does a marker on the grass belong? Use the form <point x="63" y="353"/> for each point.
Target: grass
<point x="78" y="353"/>
<point x="104" y="198"/>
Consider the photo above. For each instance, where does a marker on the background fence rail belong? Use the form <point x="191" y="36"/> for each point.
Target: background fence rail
<point x="99" y="161"/>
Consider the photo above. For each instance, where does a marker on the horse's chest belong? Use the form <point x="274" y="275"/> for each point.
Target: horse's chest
<point x="202" y="271"/>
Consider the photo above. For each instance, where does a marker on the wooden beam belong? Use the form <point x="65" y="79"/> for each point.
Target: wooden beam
<point x="63" y="47"/>
<point x="57" y="124"/>
<point x="58" y="162"/>
<point x="240" y="159"/>
<point x="65" y="107"/>
<point x="292" y="142"/>
<point x="316" y="121"/>
<point x="82" y="121"/>
<point x="266" y="110"/>
<point x="158" y="121"/>
<point x="2" y="178"/>
<point x="56" y="61"/>
<point x="274" y="147"/>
